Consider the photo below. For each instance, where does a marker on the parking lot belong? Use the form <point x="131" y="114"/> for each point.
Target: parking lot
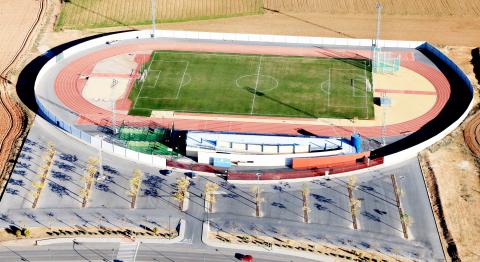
<point x="281" y="204"/>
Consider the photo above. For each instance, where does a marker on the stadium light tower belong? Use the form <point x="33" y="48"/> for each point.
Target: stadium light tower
<point x="154" y="10"/>
<point x="379" y="8"/>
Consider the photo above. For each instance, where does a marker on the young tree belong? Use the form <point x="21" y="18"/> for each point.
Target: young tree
<point x="18" y="233"/>
<point x="405" y="218"/>
<point x="89" y="179"/>
<point x="181" y="191"/>
<point x="26" y="232"/>
<point x="355" y="207"/>
<point x="258" y="199"/>
<point x="306" y="209"/>
<point x="43" y="172"/>
<point x="210" y="198"/>
<point x="352" y="181"/>
<point x="135" y="183"/>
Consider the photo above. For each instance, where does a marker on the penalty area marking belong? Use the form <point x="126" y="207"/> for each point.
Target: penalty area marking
<point x="354" y="88"/>
<point x="182" y="81"/>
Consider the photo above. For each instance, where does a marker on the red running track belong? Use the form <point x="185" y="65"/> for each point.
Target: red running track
<point x="69" y="86"/>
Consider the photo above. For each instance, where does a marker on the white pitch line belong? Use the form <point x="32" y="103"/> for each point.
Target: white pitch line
<point x="366" y="94"/>
<point x="329" y="84"/>
<point x="144" y="80"/>
<point x="256" y="84"/>
<point x="156" y="80"/>
<point x="181" y="82"/>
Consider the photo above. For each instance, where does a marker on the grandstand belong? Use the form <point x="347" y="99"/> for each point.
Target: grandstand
<point x="210" y="146"/>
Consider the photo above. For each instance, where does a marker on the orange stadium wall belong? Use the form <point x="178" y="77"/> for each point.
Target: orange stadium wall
<point x="319" y="162"/>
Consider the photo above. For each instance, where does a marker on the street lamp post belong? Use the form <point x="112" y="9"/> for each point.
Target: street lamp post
<point x="379" y="8"/>
<point x="258" y="193"/>
<point x="169" y="228"/>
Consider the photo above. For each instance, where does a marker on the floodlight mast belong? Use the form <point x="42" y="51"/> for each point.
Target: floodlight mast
<point x="379" y="8"/>
<point x="154" y="9"/>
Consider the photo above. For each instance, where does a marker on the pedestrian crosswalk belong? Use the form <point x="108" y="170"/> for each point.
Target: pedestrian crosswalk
<point x="127" y="252"/>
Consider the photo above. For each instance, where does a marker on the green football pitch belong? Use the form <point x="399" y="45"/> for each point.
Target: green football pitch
<point x="265" y="85"/>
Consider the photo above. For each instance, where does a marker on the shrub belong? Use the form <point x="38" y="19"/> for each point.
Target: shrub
<point x="18" y="233"/>
<point x="26" y="232"/>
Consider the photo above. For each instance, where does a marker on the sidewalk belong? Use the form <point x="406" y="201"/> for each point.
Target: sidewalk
<point x="273" y="249"/>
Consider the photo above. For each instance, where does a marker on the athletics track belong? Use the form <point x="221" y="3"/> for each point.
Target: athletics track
<point x="69" y="85"/>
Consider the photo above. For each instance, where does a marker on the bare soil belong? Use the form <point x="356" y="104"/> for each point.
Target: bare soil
<point x="18" y="23"/>
<point x="397" y="7"/>
<point x="78" y="14"/>
<point x="456" y="175"/>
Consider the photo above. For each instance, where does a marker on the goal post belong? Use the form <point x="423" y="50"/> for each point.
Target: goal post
<point x="385" y="62"/>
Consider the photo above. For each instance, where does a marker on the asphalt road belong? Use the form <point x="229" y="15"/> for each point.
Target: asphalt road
<point x="146" y="252"/>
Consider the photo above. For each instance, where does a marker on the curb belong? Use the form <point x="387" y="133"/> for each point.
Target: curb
<point x="179" y="238"/>
<point x="277" y="250"/>
<point x="63" y="240"/>
<point x="196" y="172"/>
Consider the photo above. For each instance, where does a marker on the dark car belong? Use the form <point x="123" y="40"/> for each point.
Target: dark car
<point x="191" y="174"/>
<point x="165" y="172"/>
<point x="243" y="257"/>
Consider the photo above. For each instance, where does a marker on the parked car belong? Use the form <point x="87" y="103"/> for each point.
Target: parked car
<point x="243" y="257"/>
<point x="165" y="172"/>
<point x="191" y="174"/>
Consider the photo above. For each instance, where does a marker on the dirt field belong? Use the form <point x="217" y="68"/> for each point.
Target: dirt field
<point x="17" y="23"/>
<point x="391" y="7"/>
<point x="457" y="175"/>
<point x="93" y="13"/>
<point x="446" y="22"/>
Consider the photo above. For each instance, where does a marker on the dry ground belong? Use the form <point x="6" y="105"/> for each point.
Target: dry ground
<point x="457" y="175"/>
<point x="17" y="20"/>
<point x="78" y="14"/>
<point x="398" y="7"/>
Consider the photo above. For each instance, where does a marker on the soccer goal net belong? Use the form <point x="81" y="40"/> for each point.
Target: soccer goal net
<point x="385" y="62"/>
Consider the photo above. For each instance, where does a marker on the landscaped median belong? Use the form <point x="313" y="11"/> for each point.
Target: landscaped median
<point x="55" y="235"/>
<point x="300" y="248"/>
